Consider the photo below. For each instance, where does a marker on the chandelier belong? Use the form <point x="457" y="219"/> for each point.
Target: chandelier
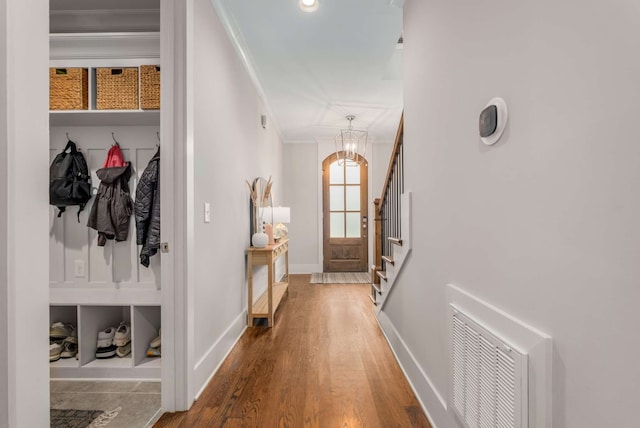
<point x="351" y="144"/>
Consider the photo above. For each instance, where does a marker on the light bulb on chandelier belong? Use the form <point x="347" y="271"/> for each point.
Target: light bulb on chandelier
<point x="351" y="144"/>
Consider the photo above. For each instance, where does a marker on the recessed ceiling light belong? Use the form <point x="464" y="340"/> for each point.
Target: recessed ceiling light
<point x="308" y="5"/>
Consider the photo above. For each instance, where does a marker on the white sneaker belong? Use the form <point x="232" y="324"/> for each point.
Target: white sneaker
<point x="73" y="335"/>
<point x="60" y="330"/>
<point x="105" y="337"/>
<point x="123" y="351"/>
<point x="156" y="342"/>
<point x="55" y="349"/>
<point x="69" y="348"/>
<point x="123" y="334"/>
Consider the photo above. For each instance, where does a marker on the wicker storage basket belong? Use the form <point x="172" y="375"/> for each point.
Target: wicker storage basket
<point x="117" y="88"/>
<point x="150" y="87"/>
<point x="68" y="89"/>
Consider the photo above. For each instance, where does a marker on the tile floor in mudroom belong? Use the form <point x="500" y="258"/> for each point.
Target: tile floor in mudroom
<point x="139" y="402"/>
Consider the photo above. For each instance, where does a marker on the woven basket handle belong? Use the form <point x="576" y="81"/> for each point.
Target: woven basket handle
<point x="115" y="71"/>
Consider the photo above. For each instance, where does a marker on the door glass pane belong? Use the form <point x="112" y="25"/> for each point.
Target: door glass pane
<point x="353" y="225"/>
<point x="336" y="173"/>
<point x="353" y="174"/>
<point x="337" y="225"/>
<point x="353" y="198"/>
<point x="336" y="197"/>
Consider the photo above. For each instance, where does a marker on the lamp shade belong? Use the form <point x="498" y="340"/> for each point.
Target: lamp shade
<point x="276" y="215"/>
<point x="281" y="214"/>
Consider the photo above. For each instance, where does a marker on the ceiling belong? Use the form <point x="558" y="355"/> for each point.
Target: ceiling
<point x="316" y="68"/>
<point x="312" y="69"/>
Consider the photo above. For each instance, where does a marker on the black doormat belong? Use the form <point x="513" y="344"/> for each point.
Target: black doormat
<point x="72" y="418"/>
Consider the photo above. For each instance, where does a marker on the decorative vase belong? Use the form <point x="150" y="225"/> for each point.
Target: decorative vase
<point x="260" y="240"/>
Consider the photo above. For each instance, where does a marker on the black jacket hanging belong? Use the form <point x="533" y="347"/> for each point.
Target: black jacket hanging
<point x="111" y="210"/>
<point x="147" y="210"/>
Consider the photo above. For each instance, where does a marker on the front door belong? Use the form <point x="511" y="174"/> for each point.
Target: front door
<point x="344" y="196"/>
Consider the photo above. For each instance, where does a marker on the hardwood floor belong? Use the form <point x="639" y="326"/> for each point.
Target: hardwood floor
<point x="325" y="363"/>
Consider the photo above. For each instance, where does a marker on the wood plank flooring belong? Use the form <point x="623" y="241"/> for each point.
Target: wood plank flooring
<point x="325" y="363"/>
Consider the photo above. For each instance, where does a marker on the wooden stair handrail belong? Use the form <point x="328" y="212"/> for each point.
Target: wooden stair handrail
<point x="392" y="161"/>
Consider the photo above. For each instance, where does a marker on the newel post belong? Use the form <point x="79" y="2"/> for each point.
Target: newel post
<point x="377" y="242"/>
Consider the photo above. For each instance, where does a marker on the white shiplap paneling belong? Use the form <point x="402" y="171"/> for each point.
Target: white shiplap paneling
<point x="116" y="265"/>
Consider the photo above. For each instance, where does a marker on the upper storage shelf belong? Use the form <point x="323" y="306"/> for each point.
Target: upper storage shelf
<point x="93" y="50"/>
<point x="104" y="118"/>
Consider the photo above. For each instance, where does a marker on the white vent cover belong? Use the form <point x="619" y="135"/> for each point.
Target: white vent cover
<point x="489" y="377"/>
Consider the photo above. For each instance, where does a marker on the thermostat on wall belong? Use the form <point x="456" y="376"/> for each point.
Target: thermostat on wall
<point x="493" y="120"/>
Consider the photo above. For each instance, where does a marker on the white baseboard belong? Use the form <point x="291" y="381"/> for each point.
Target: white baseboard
<point x="432" y="402"/>
<point x="304" y="268"/>
<point x="211" y="361"/>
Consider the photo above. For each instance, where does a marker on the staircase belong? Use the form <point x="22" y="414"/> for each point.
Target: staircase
<point x="392" y="242"/>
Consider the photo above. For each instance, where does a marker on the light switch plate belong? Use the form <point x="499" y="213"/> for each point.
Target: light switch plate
<point x="207" y="212"/>
<point x="78" y="268"/>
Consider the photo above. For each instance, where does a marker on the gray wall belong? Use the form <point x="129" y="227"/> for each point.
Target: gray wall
<point x="229" y="147"/>
<point x="303" y="193"/>
<point x="543" y="225"/>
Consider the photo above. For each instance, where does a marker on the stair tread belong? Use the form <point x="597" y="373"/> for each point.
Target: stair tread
<point x="382" y="274"/>
<point x="389" y="260"/>
<point x="397" y="241"/>
<point x="373" y="300"/>
<point x="378" y="289"/>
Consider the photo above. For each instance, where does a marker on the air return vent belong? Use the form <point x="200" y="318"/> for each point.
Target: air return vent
<point x="489" y="377"/>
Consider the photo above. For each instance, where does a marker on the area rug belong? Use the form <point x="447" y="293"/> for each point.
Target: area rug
<point x="73" y="418"/>
<point x="340" y="278"/>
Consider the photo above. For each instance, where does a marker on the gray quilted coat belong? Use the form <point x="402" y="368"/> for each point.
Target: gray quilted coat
<point x="147" y="210"/>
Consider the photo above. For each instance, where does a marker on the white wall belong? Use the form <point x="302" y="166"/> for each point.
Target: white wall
<point x="543" y="225"/>
<point x="303" y="193"/>
<point x="24" y="122"/>
<point x="229" y="147"/>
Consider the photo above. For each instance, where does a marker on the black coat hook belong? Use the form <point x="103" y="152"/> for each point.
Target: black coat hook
<point x="114" y="139"/>
<point x="68" y="139"/>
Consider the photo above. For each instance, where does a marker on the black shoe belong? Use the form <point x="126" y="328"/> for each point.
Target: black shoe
<point x="108" y="352"/>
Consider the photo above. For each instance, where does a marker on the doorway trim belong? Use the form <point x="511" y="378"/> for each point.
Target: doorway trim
<point x="364" y="209"/>
<point x="176" y="374"/>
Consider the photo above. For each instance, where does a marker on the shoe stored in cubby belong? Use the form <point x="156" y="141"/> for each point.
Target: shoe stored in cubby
<point x="124" y="350"/>
<point x="123" y="334"/>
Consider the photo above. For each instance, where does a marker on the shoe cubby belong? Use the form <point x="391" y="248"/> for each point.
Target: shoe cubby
<point x="146" y="324"/>
<point x="94" y="319"/>
<point x="66" y="315"/>
<point x="89" y="321"/>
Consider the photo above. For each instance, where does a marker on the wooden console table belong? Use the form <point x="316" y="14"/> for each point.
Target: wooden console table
<point x="267" y="303"/>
